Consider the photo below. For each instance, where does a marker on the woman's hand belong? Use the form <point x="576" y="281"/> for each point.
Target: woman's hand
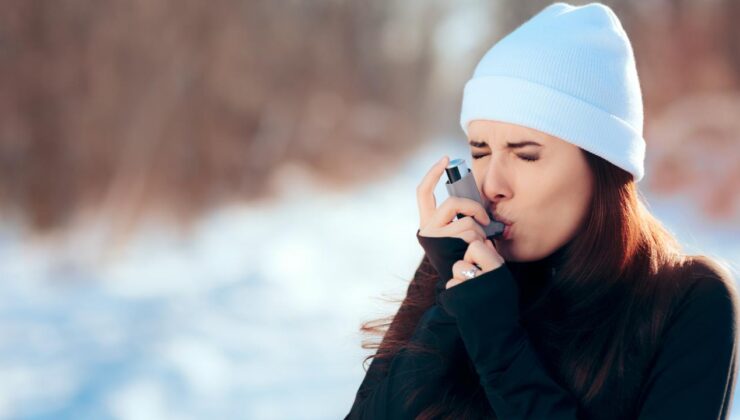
<point x="443" y="239"/>
<point x="480" y="257"/>
<point x="438" y="222"/>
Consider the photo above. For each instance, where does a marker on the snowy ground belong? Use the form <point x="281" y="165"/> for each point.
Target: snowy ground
<point x="254" y="315"/>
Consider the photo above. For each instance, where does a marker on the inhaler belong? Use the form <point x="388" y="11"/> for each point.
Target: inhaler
<point x="461" y="183"/>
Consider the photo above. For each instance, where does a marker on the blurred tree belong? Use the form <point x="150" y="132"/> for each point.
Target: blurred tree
<point x="120" y="108"/>
<point x="183" y="105"/>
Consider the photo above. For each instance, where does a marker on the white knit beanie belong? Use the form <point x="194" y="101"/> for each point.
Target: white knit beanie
<point x="569" y="71"/>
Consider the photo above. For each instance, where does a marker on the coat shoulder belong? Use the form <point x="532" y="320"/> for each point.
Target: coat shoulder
<point x="709" y="275"/>
<point x="710" y="288"/>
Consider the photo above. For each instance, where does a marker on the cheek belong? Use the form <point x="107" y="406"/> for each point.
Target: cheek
<point x="554" y="214"/>
<point x="567" y="205"/>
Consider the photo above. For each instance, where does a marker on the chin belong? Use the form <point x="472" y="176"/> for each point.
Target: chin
<point x="511" y="252"/>
<point x="504" y="248"/>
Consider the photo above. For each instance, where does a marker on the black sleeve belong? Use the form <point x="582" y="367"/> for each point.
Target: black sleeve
<point x="381" y="393"/>
<point x="694" y="373"/>
<point x="513" y="377"/>
<point x="442" y="253"/>
<point x="383" y="396"/>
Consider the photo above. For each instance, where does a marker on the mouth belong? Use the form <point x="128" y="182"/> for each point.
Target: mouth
<point x="503" y="220"/>
<point x="506" y="234"/>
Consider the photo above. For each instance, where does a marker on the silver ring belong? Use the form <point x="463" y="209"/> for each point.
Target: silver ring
<point x="470" y="273"/>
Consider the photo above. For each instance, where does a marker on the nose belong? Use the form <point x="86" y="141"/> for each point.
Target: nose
<point x="495" y="185"/>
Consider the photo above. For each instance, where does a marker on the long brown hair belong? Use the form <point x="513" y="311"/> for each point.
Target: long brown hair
<point x="600" y="318"/>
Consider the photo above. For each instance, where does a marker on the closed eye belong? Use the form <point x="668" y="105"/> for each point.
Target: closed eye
<point x="522" y="157"/>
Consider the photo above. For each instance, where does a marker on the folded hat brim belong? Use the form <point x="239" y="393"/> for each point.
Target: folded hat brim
<point x="518" y="101"/>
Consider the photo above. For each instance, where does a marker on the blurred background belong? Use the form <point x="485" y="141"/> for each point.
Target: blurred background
<point x="200" y="202"/>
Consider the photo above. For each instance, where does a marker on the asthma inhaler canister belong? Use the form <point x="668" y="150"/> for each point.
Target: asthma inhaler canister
<point x="461" y="183"/>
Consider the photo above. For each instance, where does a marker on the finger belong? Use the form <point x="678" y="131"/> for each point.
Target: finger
<point x="465" y="228"/>
<point x="454" y="205"/>
<point x="468" y="236"/>
<point x="477" y="228"/>
<point x="425" y="191"/>
<point x="483" y="255"/>
<point x="452" y="283"/>
<point x="460" y="266"/>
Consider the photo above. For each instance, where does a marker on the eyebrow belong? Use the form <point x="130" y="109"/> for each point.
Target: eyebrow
<point x="509" y="145"/>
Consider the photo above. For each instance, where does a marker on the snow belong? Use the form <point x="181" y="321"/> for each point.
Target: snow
<point x="254" y="314"/>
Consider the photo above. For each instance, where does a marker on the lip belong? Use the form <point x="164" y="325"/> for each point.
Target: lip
<point x="507" y="232"/>
<point x="503" y="220"/>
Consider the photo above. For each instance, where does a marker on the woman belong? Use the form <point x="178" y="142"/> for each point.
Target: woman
<point x="585" y="308"/>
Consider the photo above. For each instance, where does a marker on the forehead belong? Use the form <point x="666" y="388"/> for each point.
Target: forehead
<point x="498" y="131"/>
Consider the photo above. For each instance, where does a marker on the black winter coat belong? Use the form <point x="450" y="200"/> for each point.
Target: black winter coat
<point x="692" y="376"/>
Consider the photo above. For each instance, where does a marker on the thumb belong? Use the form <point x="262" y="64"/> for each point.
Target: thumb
<point x="491" y="245"/>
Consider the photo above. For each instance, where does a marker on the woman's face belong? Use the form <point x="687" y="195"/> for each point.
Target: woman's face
<point x="545" y="199"/>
